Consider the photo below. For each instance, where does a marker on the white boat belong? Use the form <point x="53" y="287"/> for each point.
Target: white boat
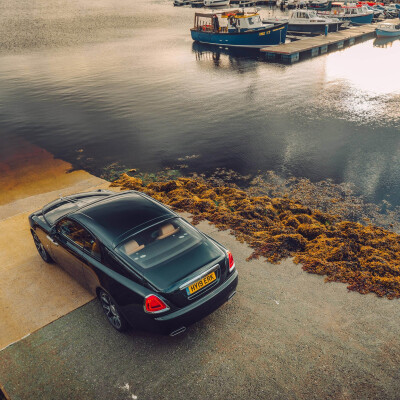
<point x="387" y="30"/>
<point x="308" y="21"/>
<point x="216" y="3"/>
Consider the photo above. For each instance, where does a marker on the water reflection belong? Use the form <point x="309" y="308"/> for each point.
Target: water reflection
<point x="385" y="42"/>
<point x="150" y="96"/>
<point x="230" y="58"/>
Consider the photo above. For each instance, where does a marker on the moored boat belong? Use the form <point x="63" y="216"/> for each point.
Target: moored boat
<point x="216" y="3"/>
<point x="179" y="3"/>
<point x="237" y="28"/>
<point x="387" y="30"/>
<point x="320" y="5"/>
<point x="357" y="15"/>
<point x="308" y="21"/>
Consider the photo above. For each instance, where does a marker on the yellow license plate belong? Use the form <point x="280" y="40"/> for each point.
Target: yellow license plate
<point x="201" y="283"/>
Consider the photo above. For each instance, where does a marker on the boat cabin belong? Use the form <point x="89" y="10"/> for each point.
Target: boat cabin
<point x="389" y="27"/>
<point x="305" y="16"/>
<point x="228" y="21"/>
<point x="350" y="10"/>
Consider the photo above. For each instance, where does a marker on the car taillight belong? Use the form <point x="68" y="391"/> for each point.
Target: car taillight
<point x="152" y="304"/>
<point x="231" y="262"/>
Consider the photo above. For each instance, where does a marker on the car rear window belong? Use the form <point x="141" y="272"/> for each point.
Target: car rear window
<point x="160" y="242"/>
<point x="57" y="209"/>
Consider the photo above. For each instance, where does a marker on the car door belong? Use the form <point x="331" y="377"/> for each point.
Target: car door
<point x="92" y="262"/>
<point x="67" y="248"/>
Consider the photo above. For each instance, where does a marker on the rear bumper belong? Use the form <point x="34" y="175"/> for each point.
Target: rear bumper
<point x="192" y="313"/>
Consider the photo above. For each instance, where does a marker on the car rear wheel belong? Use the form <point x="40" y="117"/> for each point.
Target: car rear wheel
<point x="41" y="250"/>
<point x="113" y="315"/>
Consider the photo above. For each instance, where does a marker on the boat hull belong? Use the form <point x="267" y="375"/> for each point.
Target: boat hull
<point x="382" y="34"/>
<point x="249" y="39"/>
<point x="320" y="6"/>
<point x="359" y="19"/>
<point x="314" y="28"/>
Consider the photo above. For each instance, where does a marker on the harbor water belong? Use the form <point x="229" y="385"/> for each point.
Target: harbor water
<point x="97" y="83"/>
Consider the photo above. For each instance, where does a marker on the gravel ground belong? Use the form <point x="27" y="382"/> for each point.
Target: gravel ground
<point x="285" y="335"/>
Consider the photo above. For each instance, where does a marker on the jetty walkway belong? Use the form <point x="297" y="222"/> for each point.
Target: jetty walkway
<point x="318" y="45"/>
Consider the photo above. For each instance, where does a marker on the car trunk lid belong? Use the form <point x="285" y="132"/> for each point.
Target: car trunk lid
<point x="173" y="277"/>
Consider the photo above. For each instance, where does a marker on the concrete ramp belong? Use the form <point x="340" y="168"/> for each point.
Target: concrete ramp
<point x="33" y="293"/>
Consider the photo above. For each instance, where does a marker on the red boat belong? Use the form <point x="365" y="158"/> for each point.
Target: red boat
<point x="369" y="3"/>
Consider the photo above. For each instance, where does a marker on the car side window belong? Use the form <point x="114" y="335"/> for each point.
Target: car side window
<point x="80" y="236"/>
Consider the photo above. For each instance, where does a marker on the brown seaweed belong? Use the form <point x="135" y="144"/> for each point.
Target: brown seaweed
<point x="367" y="258"/>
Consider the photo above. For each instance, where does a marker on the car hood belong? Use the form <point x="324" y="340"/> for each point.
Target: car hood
<point x="168" y="276"/>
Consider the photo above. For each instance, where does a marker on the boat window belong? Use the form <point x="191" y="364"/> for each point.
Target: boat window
<point x="160" y="242"/>
<point x="251" y="21"/>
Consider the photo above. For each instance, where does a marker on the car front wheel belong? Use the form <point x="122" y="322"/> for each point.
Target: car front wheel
<point x="41" y="250"/>
<point x="113" y="315"/>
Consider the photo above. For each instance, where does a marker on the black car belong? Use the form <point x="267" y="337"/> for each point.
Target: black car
<point x="149" y="267"/>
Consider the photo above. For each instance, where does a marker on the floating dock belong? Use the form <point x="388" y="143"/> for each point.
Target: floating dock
<point x="317" y="45"/>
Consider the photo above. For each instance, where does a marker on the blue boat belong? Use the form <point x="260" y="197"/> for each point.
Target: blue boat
<point x="387" y="30"/>
<point x="237" y="28"/>
<point x="357" y="15"/>
<point x="320" y="5"/>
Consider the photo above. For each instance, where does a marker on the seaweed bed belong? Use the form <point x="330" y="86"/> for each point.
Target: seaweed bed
<point x="367" y="258"/>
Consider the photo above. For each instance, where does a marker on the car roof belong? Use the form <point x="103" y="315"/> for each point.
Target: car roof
<point x="114" y="218"/>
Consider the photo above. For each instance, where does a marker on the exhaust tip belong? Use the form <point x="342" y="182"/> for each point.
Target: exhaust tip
<point x="231" y="295"/>
<point x="178" y="331"/>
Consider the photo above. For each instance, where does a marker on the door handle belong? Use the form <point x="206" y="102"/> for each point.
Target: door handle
<point x="51" y="240"/>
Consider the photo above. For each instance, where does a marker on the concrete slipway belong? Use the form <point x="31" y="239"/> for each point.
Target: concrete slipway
<point x="285" y="335"/>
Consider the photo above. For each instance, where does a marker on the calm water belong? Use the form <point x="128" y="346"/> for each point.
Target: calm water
<point x="96" y="83"/>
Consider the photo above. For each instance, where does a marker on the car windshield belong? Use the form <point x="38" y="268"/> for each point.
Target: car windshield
<point x="160" y="242"/>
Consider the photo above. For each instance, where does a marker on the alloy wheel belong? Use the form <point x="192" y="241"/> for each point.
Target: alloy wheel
<point x="111" y="311"/>
<point x="40" y="248"/>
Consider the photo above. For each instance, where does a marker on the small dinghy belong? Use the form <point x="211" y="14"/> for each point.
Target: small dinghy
<point x="387" y="30"/>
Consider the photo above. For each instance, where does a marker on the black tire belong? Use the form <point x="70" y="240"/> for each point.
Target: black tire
<point x="41" y="250"/>
<point x="113" y="314"/>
